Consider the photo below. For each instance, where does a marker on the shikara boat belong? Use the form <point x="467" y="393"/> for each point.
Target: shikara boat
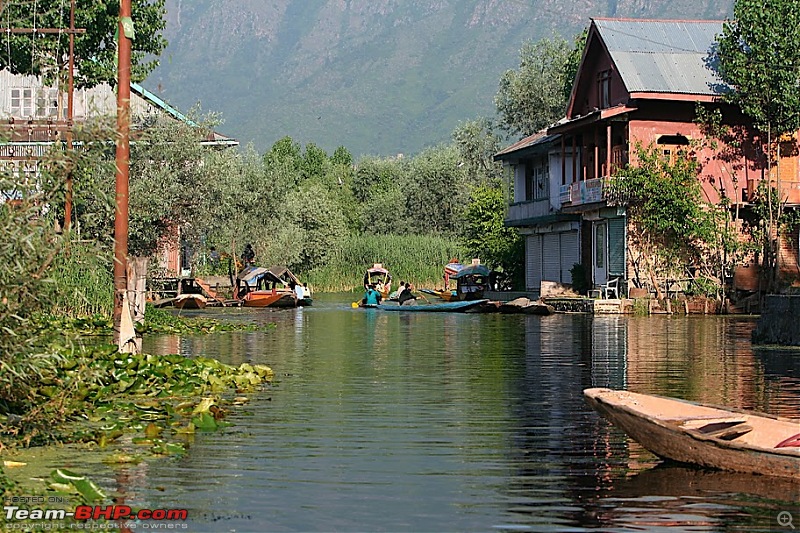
<point x="451" y="307"/>
<point x="704" y="435"/>
<point x="471" y="281"/>
<point x="190" y="301"/>
<point x="288" y="278"/>
<point x="377" y="275"/>
<point x="258" y="287"/>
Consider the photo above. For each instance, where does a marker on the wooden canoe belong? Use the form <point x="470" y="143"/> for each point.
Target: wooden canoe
<point x="190" y="301"/>
<point x="457" y="307"/>
<point x="447" y="296"/>
<point x="704" y="435"/>
<point x="269" y="299"/>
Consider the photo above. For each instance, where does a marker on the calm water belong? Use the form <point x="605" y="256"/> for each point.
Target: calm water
<point x="449" y="422"/>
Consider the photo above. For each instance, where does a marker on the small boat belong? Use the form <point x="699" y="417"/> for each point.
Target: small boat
<point x="525" y="306"/>
<point x="190" y="301"/>
<point x="258" y="287"/>
<point x="471" y="281"/>
<point x="377" y="275"/>
<point x="452" y="307"/>
<point x="288" y="277"/>
<point x="704" y="435"/>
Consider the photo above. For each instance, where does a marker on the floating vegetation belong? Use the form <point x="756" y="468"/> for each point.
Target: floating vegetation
<point x="111" y="394"/>
<point x="156" y="321"/>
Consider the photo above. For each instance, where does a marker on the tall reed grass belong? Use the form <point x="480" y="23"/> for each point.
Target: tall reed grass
<point x="82" y="281"/>
<point x="419" y="259"/>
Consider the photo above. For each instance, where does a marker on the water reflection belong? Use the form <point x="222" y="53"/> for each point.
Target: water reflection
<point x="451" y="422"/>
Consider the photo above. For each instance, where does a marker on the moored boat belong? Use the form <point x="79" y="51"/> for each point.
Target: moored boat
<point x="471" y="281"/>
<point x="457" y="307"/>
<point x="704" y="435"/>
<point x="526" y="306"/>
<point x="288" y="278"/>
<point x="190" y="301"/>
<point x="258" y="287"/>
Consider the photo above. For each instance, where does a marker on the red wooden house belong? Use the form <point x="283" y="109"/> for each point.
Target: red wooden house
<point x="638" y="81"/>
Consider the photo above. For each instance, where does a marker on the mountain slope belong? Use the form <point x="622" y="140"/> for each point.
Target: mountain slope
<point x="377" y="76"/>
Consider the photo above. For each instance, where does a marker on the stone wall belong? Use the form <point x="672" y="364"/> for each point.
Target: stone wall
<point x="779" y="322"/>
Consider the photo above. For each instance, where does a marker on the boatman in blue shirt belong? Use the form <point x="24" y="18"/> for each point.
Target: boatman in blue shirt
<point x="372" y="297"/>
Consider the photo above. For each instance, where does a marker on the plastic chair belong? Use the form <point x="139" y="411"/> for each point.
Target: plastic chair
<point x="610" y="287"/>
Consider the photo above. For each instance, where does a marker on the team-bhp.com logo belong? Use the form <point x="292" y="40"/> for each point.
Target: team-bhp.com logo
<point x="95" y="512"/>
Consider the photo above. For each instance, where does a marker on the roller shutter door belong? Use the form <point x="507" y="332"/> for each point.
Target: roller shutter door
<point x="551" y="257"/>
<point x="533" y="262"/>
<point x="570" y="254"/>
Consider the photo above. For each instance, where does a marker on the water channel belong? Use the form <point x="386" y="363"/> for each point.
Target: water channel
<point x="459" y="422"/>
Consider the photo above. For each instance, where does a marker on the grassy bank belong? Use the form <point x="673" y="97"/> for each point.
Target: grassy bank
<point x="416" y="258"/>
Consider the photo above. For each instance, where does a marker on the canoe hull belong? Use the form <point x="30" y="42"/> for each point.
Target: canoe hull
<point x="269" y="299"/>
<point x="451" y="307"/>
<point x="673" y="429"/>
<point x="190" y="301"/>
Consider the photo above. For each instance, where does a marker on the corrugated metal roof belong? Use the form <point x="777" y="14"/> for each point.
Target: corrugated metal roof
<point x="665" y="56"/>
<point x="540" y="137"/>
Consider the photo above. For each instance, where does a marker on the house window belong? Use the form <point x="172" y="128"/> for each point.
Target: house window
<point x="22" y="102"/>
<point x="541" y="182"/>
<point x="27" y="102"/>
<point x="670" y="145"/>
<point x="47" y="103"/>
<point x="604" y="89"/>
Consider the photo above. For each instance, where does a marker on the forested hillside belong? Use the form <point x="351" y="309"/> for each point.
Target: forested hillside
<point x="377" y="76"/>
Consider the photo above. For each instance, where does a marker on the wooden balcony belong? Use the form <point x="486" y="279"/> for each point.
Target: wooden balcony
<point x="582" y="192"/>
<point x="520" y="211"/>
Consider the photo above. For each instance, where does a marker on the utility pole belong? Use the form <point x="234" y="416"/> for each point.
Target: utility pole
<point x="70" y="98"/>
<point x="124" y="333"/>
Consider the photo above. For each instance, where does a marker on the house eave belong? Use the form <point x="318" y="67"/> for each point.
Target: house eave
<point x="543" y="220"/>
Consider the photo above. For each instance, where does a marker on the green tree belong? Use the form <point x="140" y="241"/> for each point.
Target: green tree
<point x="671" y="229"/>
<point x="477" y="143"/>
<point x="574" y="62"/>
<point x="283" y="160"/>
<point x="95" y="50"/>
<point x="532" y="96"/>
<point x="486" y="236"/>
<point x="314" y="211"/>
<point x="759" y="57"/>
<point x="314" y="162"/>
<point x="437" y="189"/>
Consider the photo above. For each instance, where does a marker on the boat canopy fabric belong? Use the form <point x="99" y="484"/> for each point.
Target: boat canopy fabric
<point x="252" y="274"/>
<point x="472" y="270"/>
<point x="451" y="269"/>
<point x="279" y="271"/>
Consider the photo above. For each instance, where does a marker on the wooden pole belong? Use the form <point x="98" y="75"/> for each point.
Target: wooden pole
<point x="70" y="92"/>
<point x="121" y="336"/>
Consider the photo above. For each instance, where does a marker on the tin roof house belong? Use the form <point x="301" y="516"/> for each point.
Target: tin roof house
<point x="33" y="119"/>
<point x="638" y="81"/>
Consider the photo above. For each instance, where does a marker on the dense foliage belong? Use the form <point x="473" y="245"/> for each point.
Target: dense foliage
<point x="532" y="96"/>
<point x="759" y="57"/>
<point x="95" y="49"/>
<point x="488" y="238"/>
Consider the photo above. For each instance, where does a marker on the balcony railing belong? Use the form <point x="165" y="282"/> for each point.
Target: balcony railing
<point x="582" y="192"/>
<point x="526" y="210"/>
